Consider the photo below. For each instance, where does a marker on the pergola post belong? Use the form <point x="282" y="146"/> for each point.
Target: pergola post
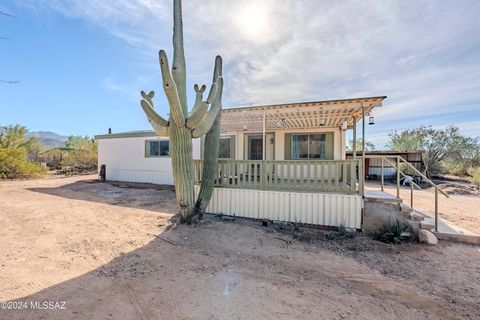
<point x="264" y="156"/>
<point x="354" y="149"/>
<point x="363" y="149"/>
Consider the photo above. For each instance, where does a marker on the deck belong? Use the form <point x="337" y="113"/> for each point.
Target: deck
<point x="314" y="176"/>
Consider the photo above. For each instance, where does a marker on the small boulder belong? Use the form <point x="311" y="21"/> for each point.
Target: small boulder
<point x="426" y="236"/>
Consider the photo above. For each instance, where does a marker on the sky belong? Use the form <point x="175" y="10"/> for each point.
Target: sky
<point x="82" y="63"/>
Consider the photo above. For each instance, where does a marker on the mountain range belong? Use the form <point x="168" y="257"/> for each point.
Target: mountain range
<point x="49" y="139"/>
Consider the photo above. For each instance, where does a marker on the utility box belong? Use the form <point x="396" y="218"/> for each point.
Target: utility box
<point x="103" y="172"/>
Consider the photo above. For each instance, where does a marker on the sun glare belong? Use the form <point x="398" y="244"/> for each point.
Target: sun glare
<point x="252" y="20"/>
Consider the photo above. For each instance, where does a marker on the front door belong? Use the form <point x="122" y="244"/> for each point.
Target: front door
<point x="255" y="148"/>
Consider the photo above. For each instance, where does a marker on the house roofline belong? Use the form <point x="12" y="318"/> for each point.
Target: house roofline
<point x="129" y="134"/>
<point x="151" y="133"/>
<point x="314" y="103"/>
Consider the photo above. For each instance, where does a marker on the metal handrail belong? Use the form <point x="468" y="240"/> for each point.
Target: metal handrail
<point x="403" y="174"/>
<point x="401" y="159"/>
<point x="413" y="168"/>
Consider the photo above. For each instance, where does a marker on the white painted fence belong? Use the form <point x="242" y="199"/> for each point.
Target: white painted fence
<point x="325" y="209"/>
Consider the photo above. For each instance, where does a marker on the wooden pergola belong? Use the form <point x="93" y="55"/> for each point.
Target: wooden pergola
<point x="343" y="113"/>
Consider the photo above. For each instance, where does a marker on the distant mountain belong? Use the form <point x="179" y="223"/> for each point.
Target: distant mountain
<point x="49" y="139"/>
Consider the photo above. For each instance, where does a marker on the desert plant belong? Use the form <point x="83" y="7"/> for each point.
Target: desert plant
<point x="396" y="232"/>
<point x="15" y="136"/>
<point x="14" y="164"/>
<point x="341" y="233"/>
<point x="79" y="156"/>
<point x="441" y="146"/>
<point x="183" y="126"/>
<point x="475" y="176"/>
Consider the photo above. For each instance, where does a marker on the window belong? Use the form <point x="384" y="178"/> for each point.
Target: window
<point x="157" y="148"/>
<point x="308" y="146"/>
<point x="225" y="149"/>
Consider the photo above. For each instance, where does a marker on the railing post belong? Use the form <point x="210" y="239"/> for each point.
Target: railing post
<point x="383" y="173"/>
<point x="411" y="195"/>
<point x="360" y="179"/>
<point x="263" y="168"/>
<point x="398" y="177"/>
<point x="436" y="210"/>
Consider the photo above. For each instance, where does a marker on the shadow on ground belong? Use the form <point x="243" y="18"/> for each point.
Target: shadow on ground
<point x="131" y="195"/>
<point x="217" y="270"/>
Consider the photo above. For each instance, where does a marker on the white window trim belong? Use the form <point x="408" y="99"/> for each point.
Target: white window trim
<point x="147" y="154"/>
<point x="232" y="147"/>
<point x="308" y="144"/>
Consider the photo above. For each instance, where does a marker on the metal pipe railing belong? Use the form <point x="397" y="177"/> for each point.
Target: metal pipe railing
<point x="400" y="160"/>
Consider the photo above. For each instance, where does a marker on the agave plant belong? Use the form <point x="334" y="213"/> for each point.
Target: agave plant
<point x="397" y="232"/>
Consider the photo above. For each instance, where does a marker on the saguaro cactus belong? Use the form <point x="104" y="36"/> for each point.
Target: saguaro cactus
<point x="182" y="125"/>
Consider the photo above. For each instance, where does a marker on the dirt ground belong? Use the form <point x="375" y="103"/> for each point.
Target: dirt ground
<point x="111" y="252"/>
<point x="461" y="208"/>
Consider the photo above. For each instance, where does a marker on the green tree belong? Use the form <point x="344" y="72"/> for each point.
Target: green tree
<point x="80" y="156"/>
<point x="441" y="146"/>
<point x="369" y="146"/>
<point x="14" y="151"/>
<point x="14" y="137"/>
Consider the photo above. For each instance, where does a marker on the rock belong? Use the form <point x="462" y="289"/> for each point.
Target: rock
<point x="426" y="236"/>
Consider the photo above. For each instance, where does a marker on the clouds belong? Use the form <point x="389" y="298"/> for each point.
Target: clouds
<point x="422" y="54"/>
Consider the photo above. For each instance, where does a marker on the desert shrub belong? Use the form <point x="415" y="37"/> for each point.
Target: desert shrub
<point x="455" y="168"/>
<point x="14" y="164"/>
<point x="408" y="170"/>
<point x="80" y="156"/>
<point x="446" y="150"/>
<point x="475" y="176"/>
<point x="397" y="232"/>
<point x="341" y="233"/>
<point x="52" y="158"/>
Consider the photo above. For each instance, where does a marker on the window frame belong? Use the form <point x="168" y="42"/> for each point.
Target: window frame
<point x="148" y="150"/>
<point x="308" y="134"/>
<point x="232" y="147"/>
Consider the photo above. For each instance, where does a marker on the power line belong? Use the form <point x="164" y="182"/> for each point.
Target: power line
<point x="9" y="81"/>
<point x="4" y="38"/>
<point x="6" y="14"/>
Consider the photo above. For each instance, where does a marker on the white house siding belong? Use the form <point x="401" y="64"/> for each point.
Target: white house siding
<point x="125" y="160"/>
<point x="325" y="209"/>
<point x="276" y="151"/>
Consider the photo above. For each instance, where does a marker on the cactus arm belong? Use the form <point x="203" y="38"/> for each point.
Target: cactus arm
<point x="198" y="97"/>
<point x="171" y="91"/>
<point x="199" y="111"/>
<point x="179" y="65"/>
<point x="152" y="115"/>
<point x="211" y="146"/>
<point x="210" y="117"/>
<point x="161" y="131"/>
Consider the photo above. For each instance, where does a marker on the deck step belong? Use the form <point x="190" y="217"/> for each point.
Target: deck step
<point x="405" y="208"/>
<point x="425" y="225"/>
<point x="416" y="216"/>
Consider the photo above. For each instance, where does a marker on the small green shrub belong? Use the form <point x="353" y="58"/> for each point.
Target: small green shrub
<point x="456" y="168"/>
<point x="475" y="176"/>
<point x="14" y="164"/>
<point x="397" y="232"/>
<point x="342" y="232"/>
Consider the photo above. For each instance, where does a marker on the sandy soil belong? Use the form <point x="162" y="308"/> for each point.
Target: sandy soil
<point x="102" y="250"/>
<point x="462" y="208"/>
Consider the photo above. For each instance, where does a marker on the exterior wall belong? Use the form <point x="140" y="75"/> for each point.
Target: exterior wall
<point x="309" y="208"/>
<point x="125" y="160"/>
<point x="277" y="150"/>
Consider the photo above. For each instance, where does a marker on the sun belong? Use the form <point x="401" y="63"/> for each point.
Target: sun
<point x="252" y="20"/>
